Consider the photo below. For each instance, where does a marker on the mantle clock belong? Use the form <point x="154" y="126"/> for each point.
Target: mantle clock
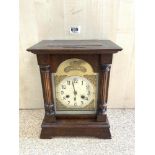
<point x="75" y="79"/>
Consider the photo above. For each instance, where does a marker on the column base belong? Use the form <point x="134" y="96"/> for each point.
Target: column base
<point x="101" y="118"/>
<point x="49" y="119"/>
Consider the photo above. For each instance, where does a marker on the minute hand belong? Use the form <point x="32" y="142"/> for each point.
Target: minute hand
<point x="75" y="93"/>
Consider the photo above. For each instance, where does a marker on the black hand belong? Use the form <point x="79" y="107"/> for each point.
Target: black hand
<point x="84" y="97"/>
<point x="75" y="93"/>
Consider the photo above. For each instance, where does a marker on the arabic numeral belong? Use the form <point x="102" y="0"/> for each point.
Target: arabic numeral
<point x="88" y="93"/>
<point x="68" y="82"/>
<point x="86" y="98"/>
<point x="75" y="81"/>
<point x="82" y="82"/>
<point x="63" y="87"/>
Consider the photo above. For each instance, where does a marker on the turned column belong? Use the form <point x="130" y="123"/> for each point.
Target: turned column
<point x="103" y="93"/>
<point x="45" y="71"/>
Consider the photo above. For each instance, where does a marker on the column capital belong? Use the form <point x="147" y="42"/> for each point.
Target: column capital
<point x="105" y="67"/>
<point x="45" y="67"/>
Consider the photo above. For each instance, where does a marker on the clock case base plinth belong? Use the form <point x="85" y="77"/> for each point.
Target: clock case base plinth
<point x="76" y="128"/>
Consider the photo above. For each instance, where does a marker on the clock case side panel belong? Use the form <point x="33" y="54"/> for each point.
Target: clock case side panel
<point x="105" y="62"/>
<point x="45" y="74"/>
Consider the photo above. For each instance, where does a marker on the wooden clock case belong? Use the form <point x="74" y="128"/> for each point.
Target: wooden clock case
<point x="98" y="53"/>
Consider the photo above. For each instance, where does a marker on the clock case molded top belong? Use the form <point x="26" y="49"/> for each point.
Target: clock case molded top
<point x="75" y="47"/>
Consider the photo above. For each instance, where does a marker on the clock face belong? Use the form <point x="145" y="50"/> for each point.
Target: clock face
<point x="75" y="92"/>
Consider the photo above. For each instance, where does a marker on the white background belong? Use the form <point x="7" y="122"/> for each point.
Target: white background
<point x="99" y="19"/>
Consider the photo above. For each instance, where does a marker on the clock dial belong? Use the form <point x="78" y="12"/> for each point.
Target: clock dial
<point x="75" y="92"/>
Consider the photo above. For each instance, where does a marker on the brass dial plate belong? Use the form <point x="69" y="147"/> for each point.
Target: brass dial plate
<point x="83" y="101"/>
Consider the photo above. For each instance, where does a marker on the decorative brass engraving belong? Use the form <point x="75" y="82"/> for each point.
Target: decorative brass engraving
<point x="60" y="106"/>
<point x="91" y="78"/>
<point x="75" y="65"/>
<point x="91" y="105"/>
<point x="59" y="78"/>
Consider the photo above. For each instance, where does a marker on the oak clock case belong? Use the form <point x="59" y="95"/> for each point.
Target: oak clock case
<point x="75" y="79"/>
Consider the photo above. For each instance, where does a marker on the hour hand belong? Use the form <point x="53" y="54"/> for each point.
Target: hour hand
<point x="84" y="97"/>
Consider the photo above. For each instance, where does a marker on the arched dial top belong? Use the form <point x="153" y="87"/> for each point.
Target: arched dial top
<point x="74" y="66"/>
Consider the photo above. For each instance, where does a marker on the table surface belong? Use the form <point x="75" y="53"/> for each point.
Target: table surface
<point x="122" y="143"/>
<point x="57" y="46"/>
